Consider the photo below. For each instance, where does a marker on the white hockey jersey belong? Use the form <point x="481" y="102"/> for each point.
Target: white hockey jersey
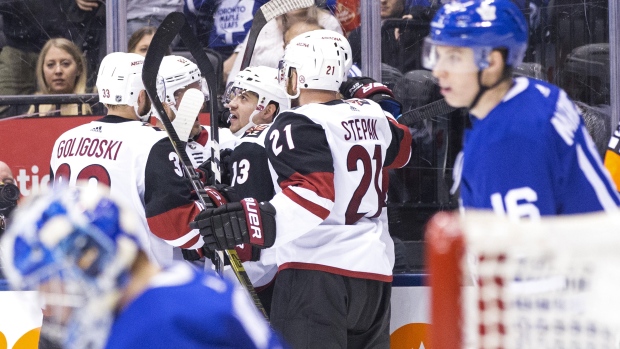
<point x="138" y="162"/>
<point x="330" y="160"/>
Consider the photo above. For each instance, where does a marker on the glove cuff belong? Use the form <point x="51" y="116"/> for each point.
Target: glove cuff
<point x="368" y="90"/>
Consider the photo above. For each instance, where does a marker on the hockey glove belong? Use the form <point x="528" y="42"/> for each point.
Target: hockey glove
<point x="205" y="173"/>
<point x="227" y="226"/>
<point x="367" y="88"/>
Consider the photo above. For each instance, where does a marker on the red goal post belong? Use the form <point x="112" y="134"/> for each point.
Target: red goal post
<point x="553" y="283"/>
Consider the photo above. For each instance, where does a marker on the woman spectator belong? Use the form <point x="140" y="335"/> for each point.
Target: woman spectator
<point x="61" y="69"/>
<point x="140" y="41"/>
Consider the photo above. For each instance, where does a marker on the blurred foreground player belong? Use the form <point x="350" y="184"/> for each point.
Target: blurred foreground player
<point x="334" y="253"/>
<point x="78" y="247"/>
<point x="528" y="152"/>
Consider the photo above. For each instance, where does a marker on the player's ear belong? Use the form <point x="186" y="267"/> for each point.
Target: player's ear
<point x="496" y="61"/>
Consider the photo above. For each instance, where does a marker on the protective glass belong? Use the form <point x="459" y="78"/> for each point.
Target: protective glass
<point x="454" y="59"/>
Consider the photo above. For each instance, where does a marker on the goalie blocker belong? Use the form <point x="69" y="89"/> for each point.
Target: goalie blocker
<point x="244" y="222"/>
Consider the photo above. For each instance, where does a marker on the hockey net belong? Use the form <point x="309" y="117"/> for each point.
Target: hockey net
<point x="497" y="284"/>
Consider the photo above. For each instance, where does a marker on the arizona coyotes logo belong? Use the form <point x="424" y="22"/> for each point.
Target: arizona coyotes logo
<point x="256" y="130"/>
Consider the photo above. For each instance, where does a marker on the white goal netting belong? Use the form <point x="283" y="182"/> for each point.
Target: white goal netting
<point x="548" y="284"/>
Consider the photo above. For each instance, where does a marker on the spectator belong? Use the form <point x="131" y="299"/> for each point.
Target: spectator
<point x="399" y="48"/>
<point x="269" y="47"/>
<point x="9" y="194"/>
<point x="61" y="69"/>
<point x="140" y="40"/>
<point x="28" y="25"/>
<point x="98" y="283"/>
<point x="140" y="13"/>
<point x="221" y="25"/>
<point x="298" y="29"/>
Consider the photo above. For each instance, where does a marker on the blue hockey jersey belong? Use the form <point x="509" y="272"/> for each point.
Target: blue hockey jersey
<point x="532" y="156"/>
<point x="185" y="308"/>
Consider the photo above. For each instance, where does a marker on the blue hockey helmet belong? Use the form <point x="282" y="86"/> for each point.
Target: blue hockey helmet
<point x="76" y="247"/>
<point x="482" y="25"/>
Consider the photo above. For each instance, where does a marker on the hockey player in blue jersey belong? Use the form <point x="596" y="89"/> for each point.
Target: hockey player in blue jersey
<point x="78" y="247"/>
<point x="528" y="152"/>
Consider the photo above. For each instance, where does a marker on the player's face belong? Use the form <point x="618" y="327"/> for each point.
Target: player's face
<point x="241" y="107"/>
<point x="60" y="71"/>
<point x="143" y="45"/>
<point x="457" y="75"/>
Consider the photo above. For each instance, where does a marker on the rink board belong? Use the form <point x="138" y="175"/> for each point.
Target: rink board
<point x="20" y="315"/>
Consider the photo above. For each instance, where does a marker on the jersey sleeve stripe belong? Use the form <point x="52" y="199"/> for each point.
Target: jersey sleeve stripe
<point x="194" y="243"/>
<point x="318" y="182"/>
<point x="604" y="196"/>
<point x="310" y="206"/>
<point x="172" y="225"/>
<point x="404" y="148"/>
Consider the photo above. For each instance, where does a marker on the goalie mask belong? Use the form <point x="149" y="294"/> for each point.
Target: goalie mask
<point x="119" y="80"/>
<point x="76" y="247"/>
<point x="176" y="73"/>
<point x="321" y="58"/>
<point x="263" y="82"/>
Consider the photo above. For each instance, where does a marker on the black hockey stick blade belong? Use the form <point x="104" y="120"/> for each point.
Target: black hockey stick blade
<point x="171" y="26"/>
<point x="265" y="13"/>
<point x="424" y="112"/>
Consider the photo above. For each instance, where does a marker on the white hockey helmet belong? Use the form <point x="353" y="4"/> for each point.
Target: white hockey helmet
<point x="119" y="80"/>
<point x="264" y="82"/>
<point x="322" y="59"/>
<point x="175" y="73"/>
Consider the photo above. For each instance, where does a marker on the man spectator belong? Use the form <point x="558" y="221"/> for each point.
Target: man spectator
<point x="9" y="194"/>
<point x="400" y="48"/>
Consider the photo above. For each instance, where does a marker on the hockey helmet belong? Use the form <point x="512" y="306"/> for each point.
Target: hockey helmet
<point x="76" y="247"/>
<point x="264" y="82"/>
<point x="175" y="73"/>
<point x="322" y="59"/>
<point x="119" y="80"/>
<point x="482" y="25"/>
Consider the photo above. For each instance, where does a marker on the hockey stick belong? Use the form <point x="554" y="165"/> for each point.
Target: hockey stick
<point x="188" y="111"/>
<point x="424" y="112"/>
<point x="265" y="13"/>
<point x="172" y="25"/>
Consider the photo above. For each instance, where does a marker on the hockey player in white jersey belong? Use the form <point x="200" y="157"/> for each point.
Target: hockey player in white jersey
<point x="78" y="247"/>
<point x="176" y="76"/>
<point x="254" y="99"/>
<point x="528" y="152"/>
<point x="334" y="282"/>
<point x="135" y="159"/>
